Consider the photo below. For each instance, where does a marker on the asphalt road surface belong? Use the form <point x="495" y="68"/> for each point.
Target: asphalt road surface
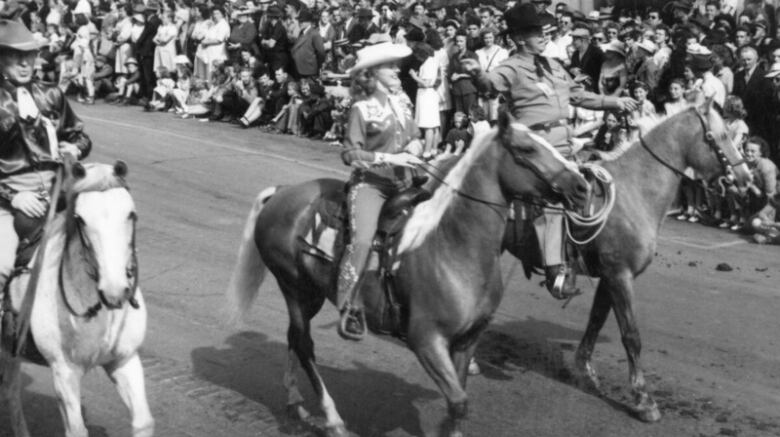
<point x="710" y="338"/>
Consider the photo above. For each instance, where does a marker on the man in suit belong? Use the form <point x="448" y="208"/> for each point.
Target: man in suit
<point x="144" y="49"/>
<point x="587" y="57"/>
<point x="308" y="52"/>
<point x="242" y="36"/>
<point x="755" y="91"/>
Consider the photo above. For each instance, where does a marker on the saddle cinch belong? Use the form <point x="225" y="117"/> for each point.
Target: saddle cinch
<point x="327" y="237"/>
<point x="30" y="232"/>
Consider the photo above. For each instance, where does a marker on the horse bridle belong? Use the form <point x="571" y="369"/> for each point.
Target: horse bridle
<point x="93" y="271"/>
<point x="709" y="139"/>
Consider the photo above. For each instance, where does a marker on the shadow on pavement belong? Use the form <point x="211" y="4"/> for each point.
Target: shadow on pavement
<point x="371" y="402"/>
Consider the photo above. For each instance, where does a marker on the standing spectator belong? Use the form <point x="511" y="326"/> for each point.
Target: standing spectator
<point x="587" y="57"/>
<point x="427" y="103"/>
<point x="734" y="114"/>
<point x="326" y="29"/>
<point x="123" y="32"/>
<point x="182" y="16"/>
<point x="144" y="49"/>
<point x="755" y="91"/>
<point x="490" y="56"/>
<point x="213" y="47"/>
<point x="721" y="67"/>
<point x="274" y="41"/>
<point x="664" y="52"/>
<point x="165" y="52"/>
<point x="464" y="93"/>
<point x="614" y="76"/>
<point x="199" y="27"/>
<point x="711" y="86"/>
<point x="308" y="52"/>
<point x="647" y="71"/>
<point x="242" y="36"/>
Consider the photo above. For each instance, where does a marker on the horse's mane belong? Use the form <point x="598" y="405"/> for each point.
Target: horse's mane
<point x="427" y="215"/>
<point x="98" y="177"/>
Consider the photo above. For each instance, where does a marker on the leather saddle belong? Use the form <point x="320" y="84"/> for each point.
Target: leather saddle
<point x="328" y="237"/>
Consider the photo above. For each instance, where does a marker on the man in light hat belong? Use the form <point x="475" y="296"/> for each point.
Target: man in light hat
<point x="381" y="143"/>
<point x="587" y="57"/>
<point x="539" y="92"/>
<point x="37" y="126"/>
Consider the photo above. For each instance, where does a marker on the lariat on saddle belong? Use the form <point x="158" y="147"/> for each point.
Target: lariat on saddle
<point x="592" y="222"/>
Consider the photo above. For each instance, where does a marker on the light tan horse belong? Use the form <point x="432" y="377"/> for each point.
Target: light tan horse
<point x="88" y="310"/>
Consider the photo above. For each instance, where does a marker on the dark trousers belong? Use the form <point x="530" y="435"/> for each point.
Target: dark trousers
<point x="464" y="103"/>
<point x="148" y="78"/>
<point x="232" y="105"/>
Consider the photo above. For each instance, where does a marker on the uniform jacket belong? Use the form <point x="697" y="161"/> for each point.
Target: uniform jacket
<point x="534" y="100"/>
<point x="308" y="52"/>
<point x="24" y="144"/>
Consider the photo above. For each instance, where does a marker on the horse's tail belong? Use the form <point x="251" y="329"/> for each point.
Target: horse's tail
<point x="250" y="269"/>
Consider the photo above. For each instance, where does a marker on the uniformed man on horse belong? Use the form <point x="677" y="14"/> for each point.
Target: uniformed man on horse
<point x="37" y="126"/>
<point x="539" y="91"/>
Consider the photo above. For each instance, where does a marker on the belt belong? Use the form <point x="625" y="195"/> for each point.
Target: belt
<point x="549" y="125"/>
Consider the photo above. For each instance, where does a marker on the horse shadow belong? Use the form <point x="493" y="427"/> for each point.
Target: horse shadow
<point x="371" y="402"/>
<point x="533" y="345"/>
<point x="41" y="412"/>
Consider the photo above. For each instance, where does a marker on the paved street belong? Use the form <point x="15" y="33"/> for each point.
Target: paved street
<point x="710" y="338"/>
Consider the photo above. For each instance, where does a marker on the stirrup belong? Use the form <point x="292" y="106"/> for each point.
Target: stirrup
<point x="352" y="324"/>
<point x="563" y="286"/>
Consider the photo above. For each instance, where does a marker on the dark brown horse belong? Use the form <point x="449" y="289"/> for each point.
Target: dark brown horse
<point x="647" y="178"/>
<point x="447" y="278"/>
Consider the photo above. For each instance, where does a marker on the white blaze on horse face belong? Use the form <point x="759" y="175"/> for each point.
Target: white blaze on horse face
<point x="108" y="226"/>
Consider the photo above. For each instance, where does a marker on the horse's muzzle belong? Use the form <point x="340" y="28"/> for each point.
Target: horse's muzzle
<point x="115" y="304"/>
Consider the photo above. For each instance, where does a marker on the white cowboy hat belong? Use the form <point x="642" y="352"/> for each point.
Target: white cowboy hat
<point x="647" y="45"/>
<point x="181" y="59"/>
<point x="379" y="54"/>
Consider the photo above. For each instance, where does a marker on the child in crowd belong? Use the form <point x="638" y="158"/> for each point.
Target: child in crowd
<point x="608" y="135"/>
<point x="676" y="102"/>
<point x="458" y="138"/>
<point x="479" y="124"/>
<point x="286" y="121"/>
<point x="734" y="114"/>
<point x="165" y="86"/>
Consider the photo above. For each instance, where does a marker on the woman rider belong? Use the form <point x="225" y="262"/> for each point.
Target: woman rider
<point x="381" y="144"/>
<point x="539" y="91"/>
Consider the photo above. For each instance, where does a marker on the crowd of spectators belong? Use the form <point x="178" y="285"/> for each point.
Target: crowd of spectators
<point x="283" y="65"/>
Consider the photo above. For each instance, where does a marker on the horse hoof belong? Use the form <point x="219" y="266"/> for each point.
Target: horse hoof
<point x="648" y="413"/>
<point x="297" y="412"/>
<point x="337" y="431"/>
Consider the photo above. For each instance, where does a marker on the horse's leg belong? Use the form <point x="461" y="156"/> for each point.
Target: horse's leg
<point x="432" y="349"/>
<point x="67" y="385"/>
<point x="602" y="304"/>
<point x="128" y="376"/>
<point x="11" y="390"/>
<point x="621" y="289"/>
<point x="299" y="340"/>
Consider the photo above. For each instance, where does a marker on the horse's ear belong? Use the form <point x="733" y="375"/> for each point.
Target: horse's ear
<point x="120" y="168"/>
<point x="706" y="106"/>
<point x="78" y="171"/>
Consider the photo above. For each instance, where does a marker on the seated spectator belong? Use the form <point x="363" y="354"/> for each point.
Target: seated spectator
<point x="256" y="106"/>
<point x="763" y="187"/>
<point x="340" y="116"/>
<point x="286" y="120"/>
<point x="458" y="137"/>
<point x="314" y="113"/>
<point x="161" y="93"/>
<point x="128" y="85"/>
<point x="608" y="135"/>
<point x="237" y="98"/>
<point x="104" y="74"/>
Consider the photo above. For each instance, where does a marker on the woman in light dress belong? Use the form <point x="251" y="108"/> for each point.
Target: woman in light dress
<point x="489" y="58"/>
<point x="165" y="39"/>
<point x="426" y="113"/>
<point x="212" y="48"/>
<point x="194" y="49"/>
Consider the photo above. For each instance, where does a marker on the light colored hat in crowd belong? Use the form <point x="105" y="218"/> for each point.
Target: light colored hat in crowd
<point x="131" y="61"/>
<point x="698" y="49"/>
<point x="378" y="38"/>
<point x="379" y="54"/>
<point x="647" y="46"/>
<point x="614" y="46"/>
<point x="139" y="17"/>
<point x="15" y="35"/>
<point x="774" y="71"/>
<point x="181" y="59"/>
<point x="580" y="32"/>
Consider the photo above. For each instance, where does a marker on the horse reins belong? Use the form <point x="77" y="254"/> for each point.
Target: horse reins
<point x="435" y="175"/>
<point x="708" y="139"/>
<point x="88" y="254"/>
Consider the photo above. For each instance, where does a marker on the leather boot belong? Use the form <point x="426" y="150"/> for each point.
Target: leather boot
<point x="352" y="325"/>
<point x="561" y="281"/>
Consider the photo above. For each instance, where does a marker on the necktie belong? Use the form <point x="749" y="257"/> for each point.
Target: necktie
<point x="28" y="110"/>
<point x="542" y="64"/>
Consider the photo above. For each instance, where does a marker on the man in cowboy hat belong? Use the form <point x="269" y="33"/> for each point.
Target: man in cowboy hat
<point x="37" y="125"/>
<point x="539" y="92"/>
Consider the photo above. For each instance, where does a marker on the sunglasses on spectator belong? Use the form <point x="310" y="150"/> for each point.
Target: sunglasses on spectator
<point x="599" y="39"/>
<point x="654" y="17"/>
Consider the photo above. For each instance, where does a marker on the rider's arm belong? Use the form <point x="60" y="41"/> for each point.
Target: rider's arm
<point x="586" y="99"/>
<point x="355" y="139"/>
<point x="70" y="128"/>
<point x="496" y="81"/>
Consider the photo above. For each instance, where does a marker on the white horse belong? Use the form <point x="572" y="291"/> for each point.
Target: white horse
<point x="88" y="310"/>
